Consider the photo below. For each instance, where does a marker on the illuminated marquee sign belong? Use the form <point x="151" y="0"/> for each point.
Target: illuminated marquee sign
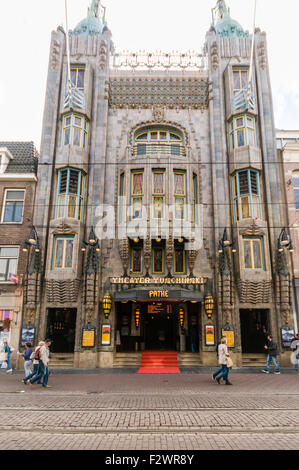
<point x="157" y="280"/>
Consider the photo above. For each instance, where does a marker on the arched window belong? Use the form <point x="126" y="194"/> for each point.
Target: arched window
<point x="160" y="141"/>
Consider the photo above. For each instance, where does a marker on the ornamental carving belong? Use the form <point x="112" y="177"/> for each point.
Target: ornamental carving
<point x="103" y="54"/>
<point x="146" y="92"/>
<point x="55" y="53"/>
<point x="253" y="230"/>
<point x="261" y="54"/>
<point x="158" y="114"/>
<point x="215" y="55"/>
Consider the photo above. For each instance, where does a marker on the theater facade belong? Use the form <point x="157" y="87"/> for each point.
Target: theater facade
<point x="160" y="219"/>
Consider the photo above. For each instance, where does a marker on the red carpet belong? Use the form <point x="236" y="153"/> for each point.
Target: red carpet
<point x="159" y="362"/>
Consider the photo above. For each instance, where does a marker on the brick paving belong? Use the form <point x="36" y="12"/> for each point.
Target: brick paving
<point x="150" y="412"/>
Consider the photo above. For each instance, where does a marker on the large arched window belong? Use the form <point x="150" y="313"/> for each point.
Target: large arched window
<point x="159" y="140"/>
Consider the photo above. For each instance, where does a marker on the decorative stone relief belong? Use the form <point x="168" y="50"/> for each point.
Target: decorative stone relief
<point x="123" y="248"/>
<point x="158" y="114"/>
<point x="55" y="53"/>
<point x="262" y="57"/>
<point x="144" y="92"/>
<point x="215" y="55"/>
<point x="103" y="55"/>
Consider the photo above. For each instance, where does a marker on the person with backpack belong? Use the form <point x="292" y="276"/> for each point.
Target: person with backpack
<point x="272" y="349"/>
<point x="26" y="356"/>
<point x="35" y="357"/>
<point x="43" y="370"/>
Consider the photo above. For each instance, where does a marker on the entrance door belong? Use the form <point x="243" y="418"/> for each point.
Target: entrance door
<point x="61" y="329"/>
<point x="254" y="328"/>
<point x="159" y="323"/>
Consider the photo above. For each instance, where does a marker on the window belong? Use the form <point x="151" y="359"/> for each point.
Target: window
<point x="63" y="252"/>
<point x="253" y="253"/>
<point x="136" y="259"/>
<point x="75" y="130"/>
<point x="296" y="190"/>
<point x="8" y="261"/>
<point x="77" y="76"/>
<point x="121" y="196"/>
<point x="240" y="77"/>
<point x="13" y="206"/>
<point x="242" y="131"/>
<point x="159" y="141"/>
<point x="136" y="194"/>
<point x="180" y="194"/>
<point x="179" y="259"/>
<point x="70" y="193"/>
<point x="246" y="195"/>
<point x="194" y="199"/>
<point x="158" y="193"/>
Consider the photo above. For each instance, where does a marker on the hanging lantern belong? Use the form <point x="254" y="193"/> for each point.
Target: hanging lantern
<point x="181" y="316"/>
<point x="137" y="317"/>
<point x="107" y="304"/>
<point x="209" y="305"/>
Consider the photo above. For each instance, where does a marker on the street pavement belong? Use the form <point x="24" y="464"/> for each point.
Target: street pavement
<point x="121" y="410"/>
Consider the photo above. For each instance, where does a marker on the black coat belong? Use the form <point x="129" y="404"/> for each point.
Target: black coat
<point x="272" y="348"/>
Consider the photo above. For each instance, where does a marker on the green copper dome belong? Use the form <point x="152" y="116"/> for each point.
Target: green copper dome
<point x="223" y="23"/>
<point x="227" y="27"/>
<point x="95" y="21"/>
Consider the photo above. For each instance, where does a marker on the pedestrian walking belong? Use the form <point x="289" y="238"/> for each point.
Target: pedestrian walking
<point x="223" y="354"/>
<point x="43" y="372"/>
<point x="272" y="349"/>
<point x="35" y="357"/>
<point x="295" y="349"/>
<point x="7" y="350"/>
<point x="26" y="356"/>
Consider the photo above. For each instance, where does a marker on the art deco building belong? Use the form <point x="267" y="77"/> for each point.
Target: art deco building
<point x="160" y="200"/>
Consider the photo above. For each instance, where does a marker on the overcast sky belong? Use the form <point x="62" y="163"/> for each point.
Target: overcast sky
<point x="26" y="25"/>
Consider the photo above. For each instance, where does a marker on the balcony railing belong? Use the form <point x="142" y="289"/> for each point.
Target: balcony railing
<point x="159" y="149"/>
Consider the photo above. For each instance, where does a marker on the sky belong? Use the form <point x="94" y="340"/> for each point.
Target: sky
<point x="25" y="33"/>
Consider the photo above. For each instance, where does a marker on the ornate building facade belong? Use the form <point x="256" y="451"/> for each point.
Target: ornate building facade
<point x="160" y="199"/>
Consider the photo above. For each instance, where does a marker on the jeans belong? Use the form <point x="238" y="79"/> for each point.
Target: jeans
<point x="224" y="372"/>
<point x="40" y="373"/>
<point x="27" y="367"/>
<point x="8" y="363"/>
<point x="269" y="359"/>
<point x="46" y="376"/>
<point x="295" y="359"/>
<point x="34" y="372"/>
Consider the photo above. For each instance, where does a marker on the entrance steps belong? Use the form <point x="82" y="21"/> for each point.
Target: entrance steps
<point x="254" y="360"/>
<point x="126" y="360"/>
<point x="159" y="362"/>
<point x="186" y="359"/>
<point x="62" y="361"/>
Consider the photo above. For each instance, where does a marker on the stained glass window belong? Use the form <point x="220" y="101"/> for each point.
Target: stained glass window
<point x="180" y="194"/>
<point x="70" y="193"/>
<point x="158" y="190"/>
<point x="136" y="194"/>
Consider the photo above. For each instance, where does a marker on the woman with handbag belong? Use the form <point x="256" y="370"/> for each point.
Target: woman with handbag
<point x="223" y="356"/>
<point x="7" y="352"/>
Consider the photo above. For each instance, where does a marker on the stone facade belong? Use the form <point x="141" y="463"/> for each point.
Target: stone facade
<point x="111" y="127"/>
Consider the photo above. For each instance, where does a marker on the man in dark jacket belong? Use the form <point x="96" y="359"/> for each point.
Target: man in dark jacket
<point x="272" y="349"/>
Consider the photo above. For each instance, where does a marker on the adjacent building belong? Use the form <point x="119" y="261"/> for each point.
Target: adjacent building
<point x="160" y="200"/>
<point x="288" y="151"/>
<point x="18" y="179"/>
